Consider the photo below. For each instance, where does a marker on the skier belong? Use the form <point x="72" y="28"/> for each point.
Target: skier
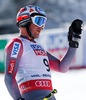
<point x="28" y="65"/>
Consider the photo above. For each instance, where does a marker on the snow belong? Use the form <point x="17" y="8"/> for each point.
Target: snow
<point x="70" y="85"/>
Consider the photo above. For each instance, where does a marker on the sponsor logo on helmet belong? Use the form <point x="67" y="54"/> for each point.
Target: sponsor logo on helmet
<point x="39" y="10"/>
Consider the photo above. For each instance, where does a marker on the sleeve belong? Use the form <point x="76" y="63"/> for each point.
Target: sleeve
<point x="64" y="64"/>
<point x="13" y="52"/>
<point x="53" y="62"/>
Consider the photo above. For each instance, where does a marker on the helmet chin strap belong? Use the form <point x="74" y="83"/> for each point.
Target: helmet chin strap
<point x="29" y="32"/>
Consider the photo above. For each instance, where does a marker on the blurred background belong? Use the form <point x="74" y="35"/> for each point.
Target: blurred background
<point x="60" y="13"/>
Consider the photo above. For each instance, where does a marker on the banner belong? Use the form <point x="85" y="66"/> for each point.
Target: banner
<point x="2" y="45"/>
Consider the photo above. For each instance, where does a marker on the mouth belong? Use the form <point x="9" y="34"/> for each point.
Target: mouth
<point x="38" y="31"/>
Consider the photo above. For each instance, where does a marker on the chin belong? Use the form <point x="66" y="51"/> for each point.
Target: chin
<point x="36" y="37"/>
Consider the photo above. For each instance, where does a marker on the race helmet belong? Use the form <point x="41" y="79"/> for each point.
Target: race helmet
<point x="31" y="14"/>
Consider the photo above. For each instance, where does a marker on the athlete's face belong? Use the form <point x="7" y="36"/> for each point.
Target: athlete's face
<point x="35" y="30"/>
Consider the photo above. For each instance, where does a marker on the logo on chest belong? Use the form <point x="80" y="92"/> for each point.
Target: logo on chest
<point x="38" y="50"/>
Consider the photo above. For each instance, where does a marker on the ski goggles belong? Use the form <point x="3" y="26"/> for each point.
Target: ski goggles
<point x="39" y="20"/>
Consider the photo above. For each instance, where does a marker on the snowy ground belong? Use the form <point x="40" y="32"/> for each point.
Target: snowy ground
<point x="70" y="85"/>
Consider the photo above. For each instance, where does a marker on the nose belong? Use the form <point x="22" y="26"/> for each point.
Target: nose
<point x="40" y="28"/>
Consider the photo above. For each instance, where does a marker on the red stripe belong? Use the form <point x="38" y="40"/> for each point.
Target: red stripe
<point x="40" y="84"/>
<point x="54" y="65"/>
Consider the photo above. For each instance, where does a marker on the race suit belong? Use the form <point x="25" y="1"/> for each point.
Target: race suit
<point x="28" y="65"/>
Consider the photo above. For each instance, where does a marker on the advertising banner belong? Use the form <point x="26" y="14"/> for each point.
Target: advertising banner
<point x="3" y="43"/>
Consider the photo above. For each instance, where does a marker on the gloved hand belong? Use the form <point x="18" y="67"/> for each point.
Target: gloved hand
<point x="74" y="33"/>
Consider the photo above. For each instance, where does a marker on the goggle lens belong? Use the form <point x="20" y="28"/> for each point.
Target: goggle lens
<point x="39" y="20"/>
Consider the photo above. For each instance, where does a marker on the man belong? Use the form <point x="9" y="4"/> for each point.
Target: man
<point x="28" y="75"/>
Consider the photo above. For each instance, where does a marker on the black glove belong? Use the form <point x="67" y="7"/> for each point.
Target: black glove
<point x="74" y="33"/>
